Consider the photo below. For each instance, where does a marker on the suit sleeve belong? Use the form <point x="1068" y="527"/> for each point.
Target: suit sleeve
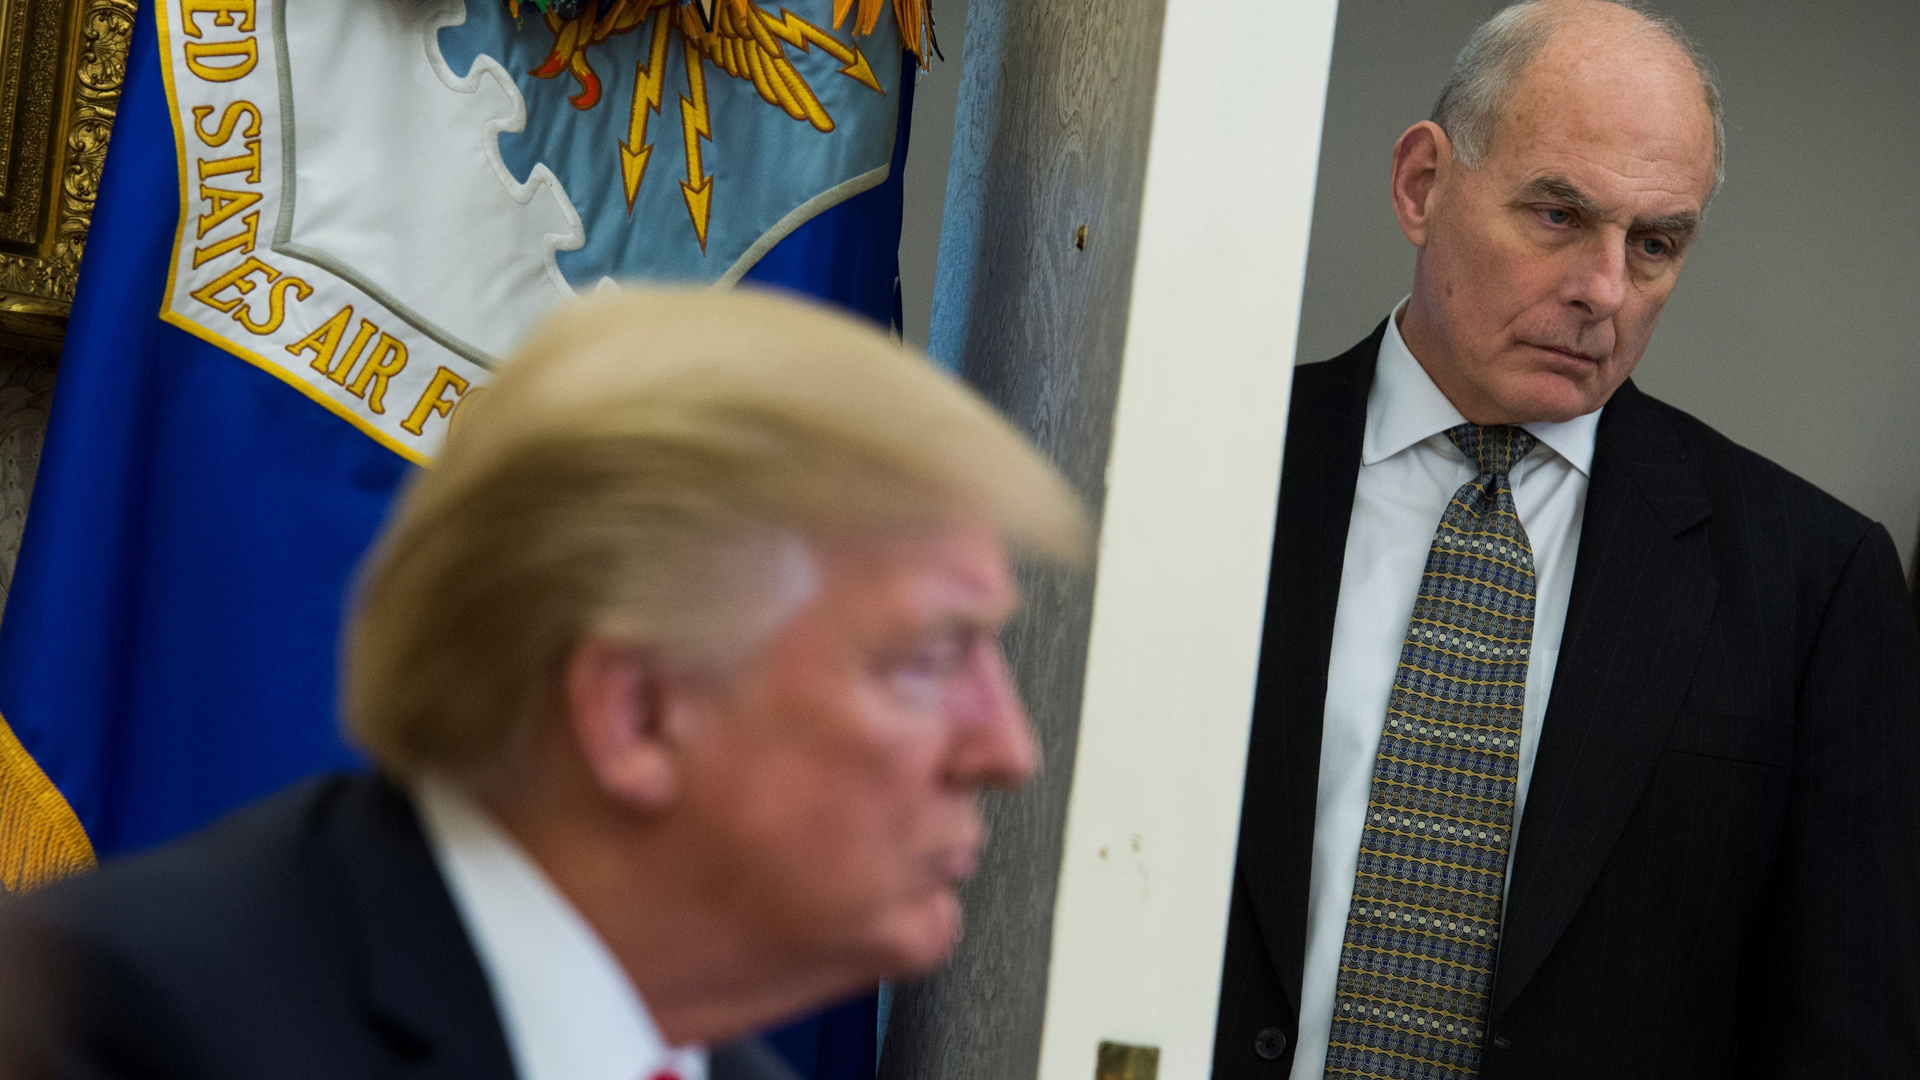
<point x="1831" y="985"/>
<point x="748" y="1059"/>
<point x="69" y="1010"/>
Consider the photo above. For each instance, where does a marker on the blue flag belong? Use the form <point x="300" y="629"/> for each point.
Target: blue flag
<point x="320" y="227"/>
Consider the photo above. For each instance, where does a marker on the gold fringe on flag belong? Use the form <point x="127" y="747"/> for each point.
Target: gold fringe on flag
<point x="912" y="15"/>
<point x="41" y="840"/>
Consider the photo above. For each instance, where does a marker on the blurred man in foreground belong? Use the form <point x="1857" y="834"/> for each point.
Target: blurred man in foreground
<point x="682" y="674"/>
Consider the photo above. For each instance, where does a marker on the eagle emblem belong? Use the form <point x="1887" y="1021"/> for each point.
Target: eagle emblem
<point x="621" y="56"/>
<point x="379" y="198"/>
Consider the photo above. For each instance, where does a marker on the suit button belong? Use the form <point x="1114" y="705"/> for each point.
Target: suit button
<point x="1270" y="1043"/>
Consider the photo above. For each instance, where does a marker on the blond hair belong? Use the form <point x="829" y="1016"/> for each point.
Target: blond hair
<point x="633" y="470"/>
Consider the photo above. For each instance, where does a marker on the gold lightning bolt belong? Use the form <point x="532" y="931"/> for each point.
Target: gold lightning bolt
<point x="649" y="79"/>
<point x="800" y="33"/>
<point x="696" y="125"/>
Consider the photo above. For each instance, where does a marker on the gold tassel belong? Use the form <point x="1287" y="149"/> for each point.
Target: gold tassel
<point x="910" y="14"/>
<point x="41" y="840"/>
<point x="912" y="17"/>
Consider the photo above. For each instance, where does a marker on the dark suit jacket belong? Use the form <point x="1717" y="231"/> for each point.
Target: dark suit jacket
<point x="1914" y="583"/>
<point x="307" y="936"/>
<point x="1717" y="870"/>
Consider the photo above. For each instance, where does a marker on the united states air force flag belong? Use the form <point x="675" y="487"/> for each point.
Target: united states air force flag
<point x="321" y="226"/>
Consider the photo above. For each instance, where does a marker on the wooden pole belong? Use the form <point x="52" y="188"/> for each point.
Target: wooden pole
<point x="1030" y="305"/>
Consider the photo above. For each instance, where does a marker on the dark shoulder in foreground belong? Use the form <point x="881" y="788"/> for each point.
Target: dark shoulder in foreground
<point x="307" y="935"/>
<point x="212" y="887"/>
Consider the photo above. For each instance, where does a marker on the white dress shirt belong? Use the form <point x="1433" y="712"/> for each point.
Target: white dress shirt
<point x="1409" y="470"/>
<point x="569" y="1010"/>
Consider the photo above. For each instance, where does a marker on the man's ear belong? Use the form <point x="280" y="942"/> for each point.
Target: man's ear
<point x="1418" y="158"/>
<point x="615" y="701"/>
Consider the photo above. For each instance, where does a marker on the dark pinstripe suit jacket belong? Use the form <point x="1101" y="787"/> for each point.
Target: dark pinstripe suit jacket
<point x="307" y="937"/>
<point x="1719" y="863"/>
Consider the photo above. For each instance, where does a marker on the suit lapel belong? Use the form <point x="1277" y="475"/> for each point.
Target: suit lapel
<point x="423" y="984"/>
<point x="1326" y="427"/>
<point x="1643" y="594"/>
<point x="424" y="987"/>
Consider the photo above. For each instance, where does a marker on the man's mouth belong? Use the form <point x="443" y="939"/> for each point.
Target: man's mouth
<point x="958" y="862"/>
<point x="1569" y="353"/>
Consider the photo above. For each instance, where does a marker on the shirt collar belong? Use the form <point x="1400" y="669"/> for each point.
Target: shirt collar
<point x="1404" y="407"/>
<point x="569" y="1010"/>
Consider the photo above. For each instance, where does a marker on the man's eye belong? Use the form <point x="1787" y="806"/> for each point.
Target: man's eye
<point x="1558" y="216"/>
<point x="920" y="675"/>
<point x="928" y="662"/>
<point x="932" y="659"/>
<point x="1654" y="246"/>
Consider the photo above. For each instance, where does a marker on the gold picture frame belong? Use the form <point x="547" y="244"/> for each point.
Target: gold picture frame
<point x="62" y="64"/>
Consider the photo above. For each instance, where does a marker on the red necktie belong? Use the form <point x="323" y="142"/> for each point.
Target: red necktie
<point x="666" y="1074"/>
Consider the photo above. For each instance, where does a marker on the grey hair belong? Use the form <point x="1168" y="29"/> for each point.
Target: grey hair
<point x="1487" y="70"/>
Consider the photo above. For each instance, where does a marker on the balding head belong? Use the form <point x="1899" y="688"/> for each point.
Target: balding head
<point x="1488" y="72"/>
<point x="1553" y="201"/>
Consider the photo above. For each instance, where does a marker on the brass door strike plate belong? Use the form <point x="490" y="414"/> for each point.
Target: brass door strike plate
<point x="1118" y="1061"/>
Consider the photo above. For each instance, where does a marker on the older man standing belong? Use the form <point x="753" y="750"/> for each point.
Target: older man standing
<point x="681" y="669"/>
<point x="1586" y="741"/>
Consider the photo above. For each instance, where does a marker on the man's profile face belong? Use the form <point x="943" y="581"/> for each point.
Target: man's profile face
<point x="1543" y="272"/>
<point x="842" y="767"/>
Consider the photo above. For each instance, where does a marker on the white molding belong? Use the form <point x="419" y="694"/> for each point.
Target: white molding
<point x="1140" y="920"/>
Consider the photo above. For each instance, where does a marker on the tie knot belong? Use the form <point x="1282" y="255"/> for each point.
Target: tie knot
<point x="1494" y="448"/>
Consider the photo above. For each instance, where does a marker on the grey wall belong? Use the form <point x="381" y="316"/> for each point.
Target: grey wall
<point x="1792" y="327"/>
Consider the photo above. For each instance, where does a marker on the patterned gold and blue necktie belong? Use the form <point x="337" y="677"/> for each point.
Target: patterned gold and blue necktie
<point x="1416" y="972"/>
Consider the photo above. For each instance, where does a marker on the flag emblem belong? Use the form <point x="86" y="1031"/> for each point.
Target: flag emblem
<point x="379" y="198"/>
<point x="742" y="39"/>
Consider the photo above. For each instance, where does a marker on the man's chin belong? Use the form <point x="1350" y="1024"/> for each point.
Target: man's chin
<point x="1553" y="398"/>
<point x="925" y="938"/>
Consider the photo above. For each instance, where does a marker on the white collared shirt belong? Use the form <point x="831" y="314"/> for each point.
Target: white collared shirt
<point x="1409" y="469"/>
<point x="568" y="1008"/>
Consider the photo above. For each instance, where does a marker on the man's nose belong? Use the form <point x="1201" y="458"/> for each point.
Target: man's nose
<point x="996" y="745"/>
<point x="1597" y="280"/>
